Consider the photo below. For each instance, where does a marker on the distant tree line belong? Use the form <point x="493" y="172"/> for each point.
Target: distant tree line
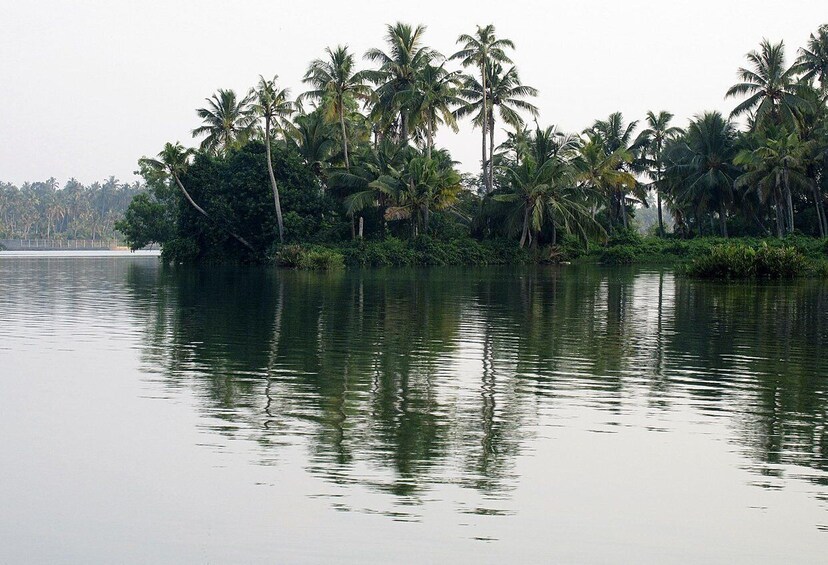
<point x="354" y="157"/>
<point x="76" y="211"/>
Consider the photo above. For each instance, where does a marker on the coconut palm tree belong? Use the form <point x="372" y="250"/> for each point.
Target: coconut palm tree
<point x="506" y="93"/>
<point x="413" y="191"/>
<point x="432" y="101"/>
<point x="313" y="139"/>
<point x="335" y="82"/>
<point x="601" y="172"/>
<point x="543" y="192"/>
<point x="481" y="50"/>
<point x="706" y="164"/>
<point x="273" y="105"/>
<point x="173" y="161"/>
<point x="813" y="59"/>
<point x="398" y="73"/>
<point x="774" y="168"/>
<point x="615" y="139"/>
<point x="652" y="140"/>
<point x="227" y="121"/>
<point x="769" y="85"/>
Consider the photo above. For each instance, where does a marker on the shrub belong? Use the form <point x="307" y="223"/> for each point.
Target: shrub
<point x="741" y="261"/>
<point x="619" y="255"/>
<point x="309" y="258"/>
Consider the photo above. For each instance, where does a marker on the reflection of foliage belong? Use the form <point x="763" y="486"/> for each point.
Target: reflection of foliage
<point x="425" y="374"/>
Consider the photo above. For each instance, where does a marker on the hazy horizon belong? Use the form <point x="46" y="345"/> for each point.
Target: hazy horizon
<point x="91" y="87"/>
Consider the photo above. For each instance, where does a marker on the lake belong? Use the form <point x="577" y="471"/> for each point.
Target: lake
<point x="499" y="415"/>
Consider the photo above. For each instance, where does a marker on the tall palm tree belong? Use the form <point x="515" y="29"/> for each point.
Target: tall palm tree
<point x="334" y="83"/>
<point x="769" y="85"/>
<point x="432" y="101"/>
<point x="173" y="161"/>
<point x="227" y="121"/>
<point x="313" y="139"/>
<point x="505" y="92"/>
<point x="481" y="50"/>
<point x="273" y="104"/>
<point x="813" y="60"/>
<point x="652" y="140"/>
<point x="398" y="73"/>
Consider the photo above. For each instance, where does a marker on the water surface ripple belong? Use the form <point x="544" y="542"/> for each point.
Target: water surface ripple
<point x="545" y="415"/>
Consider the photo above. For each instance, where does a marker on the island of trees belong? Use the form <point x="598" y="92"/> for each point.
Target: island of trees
<point x="349" y="169"/>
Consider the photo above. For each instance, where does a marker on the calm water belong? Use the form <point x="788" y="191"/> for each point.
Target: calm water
<point x="550" y="415"/>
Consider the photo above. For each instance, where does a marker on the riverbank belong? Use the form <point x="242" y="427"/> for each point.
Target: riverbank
<point x="802" y="255"/>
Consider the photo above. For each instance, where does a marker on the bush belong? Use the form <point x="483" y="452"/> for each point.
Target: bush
<point x="619" y="255"/>
<point x="730" y="261"/>
<point x="309" y="258"/>
<point x="179" y="250"/>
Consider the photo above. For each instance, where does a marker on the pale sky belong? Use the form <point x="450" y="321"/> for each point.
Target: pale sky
<point x="88" y="87"/>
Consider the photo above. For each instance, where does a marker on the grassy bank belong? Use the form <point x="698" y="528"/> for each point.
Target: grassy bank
<point x="702" y="257"/>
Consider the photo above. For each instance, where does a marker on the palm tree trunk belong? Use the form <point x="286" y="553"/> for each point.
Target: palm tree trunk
<point x="344" y="133"/>
<point x="189" y="198"/>
<point x="622" y="208"/>
<point x="491" y="153"/>
<point x="273" y="183"/>
<point x="789" y="201"/>
<point x="723" y="219"/>
<point x="820" y="219"/>
<point x="525" y="230"/>
<point x="484" y="125"/>
<point x="430" y="137"/>
<point x="778" y="209"/>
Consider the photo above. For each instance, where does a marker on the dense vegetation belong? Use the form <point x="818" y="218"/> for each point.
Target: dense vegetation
<point x="350" y="166"/>
<point x="44" y="210"/>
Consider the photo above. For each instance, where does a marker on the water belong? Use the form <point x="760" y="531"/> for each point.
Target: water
<point x="545" y="415"/>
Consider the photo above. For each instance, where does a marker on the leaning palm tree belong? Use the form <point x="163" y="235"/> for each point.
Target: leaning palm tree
<point x="813" y="60"/>
<point x="769" y="85"/>
<point x="481" y="50"/>
<point x="172" y="162"/>
<point x="273" y="104"/>
<point x="335" y="83"/>
<point x="506" y="93"/>
<point x="227" y="121"/>
<point x="398" y="73"/>
<point x="652" y="140"/>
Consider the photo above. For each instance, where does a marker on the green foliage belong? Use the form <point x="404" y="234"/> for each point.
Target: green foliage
<point x="146" y="221"/>
<point x="620" y="255"/>
<point x="309" y="258"/>
<point x="424" y="250"/>
<point x="732" y="261"/>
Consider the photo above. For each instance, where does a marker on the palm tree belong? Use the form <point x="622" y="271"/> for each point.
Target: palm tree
<point x="813" y="60"/>
<point x="615" y="139"/>
<point x="273" y="105"/>
<point x="652" y="139"/>
<point x="227" y="121"/>
<point x="422" y="185"/>
<point x="773" y="168"/>
<point x="398" y="73"/>
<point x="173" y="161"/>
<point x="769" y="85"/>
<point x="481" y="50"/>
<point x="334" y="83"/>
<point x="313" y="139"/>
<point x="547" y="190"/>
<point x="506" y="92"/>
<point x="432" y="99"/>
<point x="706" y="164"/>
<point x="601" y="171"/>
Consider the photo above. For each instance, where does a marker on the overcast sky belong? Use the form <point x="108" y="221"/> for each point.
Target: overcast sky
<point x="88" y="87"/>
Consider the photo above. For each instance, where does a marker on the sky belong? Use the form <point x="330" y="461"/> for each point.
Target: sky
<point x="88" y="87"/>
